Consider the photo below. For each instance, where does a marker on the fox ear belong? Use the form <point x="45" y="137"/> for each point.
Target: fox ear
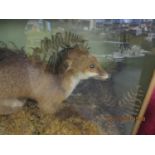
<point x="68" y="64"/>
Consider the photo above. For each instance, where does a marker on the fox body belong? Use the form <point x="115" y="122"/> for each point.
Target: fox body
<point x="22" y="78"/>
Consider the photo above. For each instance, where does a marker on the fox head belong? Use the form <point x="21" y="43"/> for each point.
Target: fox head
<point x="84" y="65"/>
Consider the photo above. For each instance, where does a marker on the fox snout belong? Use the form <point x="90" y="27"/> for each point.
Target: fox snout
<point x="102" y="75"/>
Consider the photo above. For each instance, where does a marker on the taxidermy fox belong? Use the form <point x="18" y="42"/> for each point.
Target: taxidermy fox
<point x="21" y="78"/>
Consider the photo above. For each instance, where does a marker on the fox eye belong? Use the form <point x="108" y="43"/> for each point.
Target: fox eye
<point x="92" y="66"/>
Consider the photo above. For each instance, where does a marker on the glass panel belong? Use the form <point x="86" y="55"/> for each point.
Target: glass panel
<point x="124" y="48"/>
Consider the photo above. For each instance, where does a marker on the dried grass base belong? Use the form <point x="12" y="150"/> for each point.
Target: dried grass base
<point x="31" y="121"/>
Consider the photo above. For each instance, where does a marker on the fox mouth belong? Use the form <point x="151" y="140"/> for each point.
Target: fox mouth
<point x="102" y="77"/>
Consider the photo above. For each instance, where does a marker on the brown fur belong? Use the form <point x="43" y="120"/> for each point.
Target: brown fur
<point x="21" y="78"/>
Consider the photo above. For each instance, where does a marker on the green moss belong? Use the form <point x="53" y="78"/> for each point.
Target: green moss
<point x="32" y="121"/>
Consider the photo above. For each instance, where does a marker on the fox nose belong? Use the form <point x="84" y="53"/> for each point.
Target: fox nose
<point x="106" y="76"/>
